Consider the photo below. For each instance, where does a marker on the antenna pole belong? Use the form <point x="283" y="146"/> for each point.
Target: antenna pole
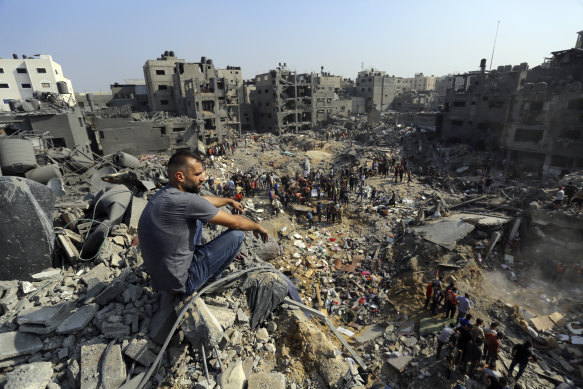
<point x="494" y="47"/>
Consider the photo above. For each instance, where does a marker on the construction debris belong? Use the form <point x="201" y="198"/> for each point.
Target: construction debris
<point x="356" y="271"/>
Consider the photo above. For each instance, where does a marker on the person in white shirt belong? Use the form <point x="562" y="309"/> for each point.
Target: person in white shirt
<point x="444" y="337"/>
<point x="559" y="198"/>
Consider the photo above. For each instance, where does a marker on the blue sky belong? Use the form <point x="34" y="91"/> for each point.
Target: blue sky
<point x="101" y="42"/>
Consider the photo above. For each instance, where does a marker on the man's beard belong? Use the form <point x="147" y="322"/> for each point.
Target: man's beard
<point x="191" y="187"/>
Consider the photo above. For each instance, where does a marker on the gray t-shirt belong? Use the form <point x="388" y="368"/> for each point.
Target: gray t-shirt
<point x="166" y="231"/>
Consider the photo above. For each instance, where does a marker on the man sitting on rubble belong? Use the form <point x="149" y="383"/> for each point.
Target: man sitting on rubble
<point x="170" y="230"/>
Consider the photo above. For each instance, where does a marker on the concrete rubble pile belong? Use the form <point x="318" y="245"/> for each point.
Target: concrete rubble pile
<point x="86" y="316"/>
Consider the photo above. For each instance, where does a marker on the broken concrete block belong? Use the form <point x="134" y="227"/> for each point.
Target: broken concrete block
<point x="101" y="272"/>
<point x="132" y="293"/>
<point x="268" y="251"/>
<point x="26" y="227"/>
<point x="262" y="335"/>
<point x="45" y="319"/>
<point x="94" y="287"/>
<point x="204" y="384"/>
<point x="32" y="375"/>
<point x="369" y="333"/>
<point x="47" y="274"/>
<point x="225" y="316"/>
<point x="401" y="362"/>
<point x="69" y="248"/>
<point x="110" y="292"/>
<point x="73" y="373"/>
<point x="139" y="351"/>
<point x="267" y="380"/>
<point x="114" y="330"/>
<point x="200" y="325"/>
<point x="233" y="377"/>
<point x="78" y="320"/>
<point x="115" y="368"/>
<point x="242" y="317"/>
<point x="117" y="261"/>
<point x="27" y="287"/>
<point x="13" y="344"/>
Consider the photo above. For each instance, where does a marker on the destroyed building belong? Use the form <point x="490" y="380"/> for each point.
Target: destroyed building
<point x="30" y="77"/>
<point x="134" y="94"/>
<point x="285" y="101"/>
<point x="378" y="89"/>
<point x="476" y="106"/>
<point x="209" y="95"/>
<point x="159" y="82"/>
<point x="534" y="114"/>
<point x="93" y="101"/>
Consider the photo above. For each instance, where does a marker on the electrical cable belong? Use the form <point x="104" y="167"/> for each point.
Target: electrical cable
<point x="183" y="312"/>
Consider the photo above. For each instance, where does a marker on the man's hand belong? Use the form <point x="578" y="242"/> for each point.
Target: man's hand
<point x="237" y="206"/>
<point x="261" y="231"/>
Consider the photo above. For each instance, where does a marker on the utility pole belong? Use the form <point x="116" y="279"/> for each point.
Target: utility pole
<point x="494" y="47"/>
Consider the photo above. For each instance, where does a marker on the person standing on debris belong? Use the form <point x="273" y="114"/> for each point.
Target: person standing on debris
<point x="481" y="186"/>
<point x="521" y="355"/>
<point x="437" y="297"/>
<point x="490" y="330"/>
<point x="319" y="210"/>
<point x="373" y="194"/>
<point x="488" y="184"/>
<point x="444" y="338"/>
<point x="478" y="331"/>
<point x="310" y="218"/>
<point x="170" y="230"/>
<point x="409" y="172"/>
<point x="472" y="355"/>
<point x="452" y="305"/>
<point x="428" y="293"/>
<point x="493" y="342"/>
<point x="463" y="305"/>
<point x="559" y="197"/>
<point x="360" y="193"/>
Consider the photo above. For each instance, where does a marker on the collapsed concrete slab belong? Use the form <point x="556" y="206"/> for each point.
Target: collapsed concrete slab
<point x="26" y="211"/>
<point x="13" y="344"/>
<point x="45" y="319"/>
<point x="445" y="232"/>
<point x="78" y="320"/>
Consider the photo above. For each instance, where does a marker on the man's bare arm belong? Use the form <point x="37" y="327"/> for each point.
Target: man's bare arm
<point x="236" y="222"/>
<point x="222" y="201"/>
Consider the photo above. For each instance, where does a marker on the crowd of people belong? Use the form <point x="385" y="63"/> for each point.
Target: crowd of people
<point x="470" y="346"/>
<point x="326" y="192"/>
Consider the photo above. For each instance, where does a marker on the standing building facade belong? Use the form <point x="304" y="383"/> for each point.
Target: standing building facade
<point x="378" y="89"/>
<point x="159" y="82"/>
<point x="27" y="77"/>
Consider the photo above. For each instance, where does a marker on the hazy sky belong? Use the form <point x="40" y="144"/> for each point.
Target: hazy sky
<point x="103" y="41"/>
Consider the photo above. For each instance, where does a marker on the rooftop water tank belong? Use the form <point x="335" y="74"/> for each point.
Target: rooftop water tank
<point x="16" y="156"/>
<point x="63" y="88"/>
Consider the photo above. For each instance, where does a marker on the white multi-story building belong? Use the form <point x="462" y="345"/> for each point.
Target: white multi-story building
<point x="20" y="78"/>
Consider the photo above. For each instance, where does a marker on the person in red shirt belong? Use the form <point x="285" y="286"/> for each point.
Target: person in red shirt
<point x="493" y="342"/>
<point x="428" y="293"/>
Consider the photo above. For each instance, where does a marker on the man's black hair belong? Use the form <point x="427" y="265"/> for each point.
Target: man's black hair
<point x="179" y="159"/>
